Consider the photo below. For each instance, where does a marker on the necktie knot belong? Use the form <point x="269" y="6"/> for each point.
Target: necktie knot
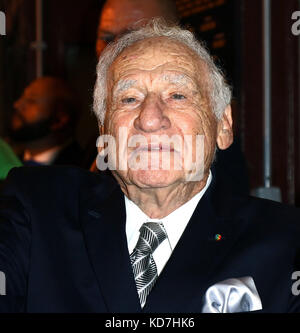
<point x="151" y="235"/>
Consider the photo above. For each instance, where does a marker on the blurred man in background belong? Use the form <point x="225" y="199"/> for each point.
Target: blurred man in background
<point x="118" y="16"/>
<point x="43" y="123"/>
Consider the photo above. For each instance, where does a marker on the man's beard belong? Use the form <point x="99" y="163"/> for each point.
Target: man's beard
<point x="31" y="132"/>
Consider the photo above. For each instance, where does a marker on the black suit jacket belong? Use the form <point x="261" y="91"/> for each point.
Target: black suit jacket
<point x="63" y="247"/>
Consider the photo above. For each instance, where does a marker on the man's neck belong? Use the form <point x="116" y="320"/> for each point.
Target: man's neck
<point x="160" y="202"/>
<point x="44" y="157"/>
<point x="44" y="154"/>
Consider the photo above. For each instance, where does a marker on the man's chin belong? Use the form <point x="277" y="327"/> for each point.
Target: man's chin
<point x="154" y="178"/>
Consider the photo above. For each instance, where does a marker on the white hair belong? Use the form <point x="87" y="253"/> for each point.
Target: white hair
<point x="220" y="92"/>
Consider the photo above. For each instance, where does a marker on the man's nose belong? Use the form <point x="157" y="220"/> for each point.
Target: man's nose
<point x="152" y="117"/>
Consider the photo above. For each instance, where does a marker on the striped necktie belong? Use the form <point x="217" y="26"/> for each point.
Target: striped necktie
<point x="143" y="265"/>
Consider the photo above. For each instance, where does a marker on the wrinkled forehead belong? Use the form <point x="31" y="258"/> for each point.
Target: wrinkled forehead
<point x="159" y="53"/>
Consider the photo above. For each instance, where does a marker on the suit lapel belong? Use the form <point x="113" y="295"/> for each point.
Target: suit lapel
<point x="190" y="269"/>
<point x="104" y="229"/>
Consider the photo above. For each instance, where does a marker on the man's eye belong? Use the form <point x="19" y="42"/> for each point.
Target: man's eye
<point x="128" y="100"/>
<point x="178" y="96"/>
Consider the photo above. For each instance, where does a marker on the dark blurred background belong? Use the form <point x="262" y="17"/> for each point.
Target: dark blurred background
<point x="232" y="30"/>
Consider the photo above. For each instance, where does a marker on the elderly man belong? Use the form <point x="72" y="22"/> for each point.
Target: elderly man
<point x="116" y="18"/>
<point x="162" y="237"/>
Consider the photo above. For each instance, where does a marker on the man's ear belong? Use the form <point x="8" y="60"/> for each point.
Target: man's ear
<point x="101" y="129"/>
<point x="225" y="133"/>
<point x="60" y="120"/>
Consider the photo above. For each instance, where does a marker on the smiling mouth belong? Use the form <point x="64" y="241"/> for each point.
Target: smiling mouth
<point x="154" y="148"/>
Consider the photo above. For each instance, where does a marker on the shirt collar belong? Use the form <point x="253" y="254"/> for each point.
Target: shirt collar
<point x="174" y="223"/>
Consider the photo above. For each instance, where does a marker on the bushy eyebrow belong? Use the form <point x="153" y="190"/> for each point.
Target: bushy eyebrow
<point x="124" y="85"/>
<point x="172" y="78"/>
<point x="178" y="79"/>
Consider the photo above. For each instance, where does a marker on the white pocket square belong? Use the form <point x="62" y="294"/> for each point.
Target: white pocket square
<point x="232" y="295"/>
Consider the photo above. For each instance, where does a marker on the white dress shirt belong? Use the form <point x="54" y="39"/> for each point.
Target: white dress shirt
<point x="174" y="225"/>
